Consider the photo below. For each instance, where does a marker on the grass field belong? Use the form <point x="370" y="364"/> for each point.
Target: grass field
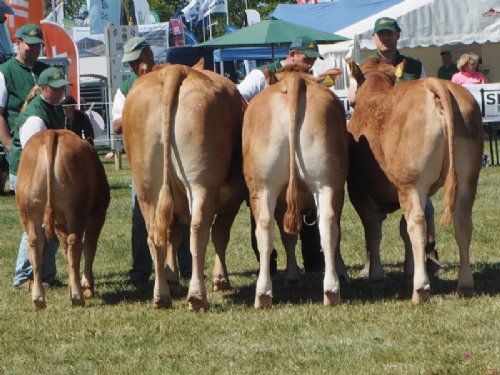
<point x="373" y="332"/>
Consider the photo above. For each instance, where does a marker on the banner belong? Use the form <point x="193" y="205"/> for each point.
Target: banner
<point x="25" y="11"/>
<point x="199" y="9"/>
<point x="58" y="43"/>
<point x="142" y="14"/>
<point x="102" y="12"/>
<point x="488" y="97"/>
<point x="57" y="14"/>
<point x="177" y="30"/>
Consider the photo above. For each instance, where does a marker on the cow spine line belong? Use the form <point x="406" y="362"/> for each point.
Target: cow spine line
<point x="292" y="220"/>
<point x="48" y="215"/>
<point x="440" y="90"/>
<point x="165" y="208"/>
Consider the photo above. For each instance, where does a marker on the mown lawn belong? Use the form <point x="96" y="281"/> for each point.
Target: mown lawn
<point x="373" y="332"/>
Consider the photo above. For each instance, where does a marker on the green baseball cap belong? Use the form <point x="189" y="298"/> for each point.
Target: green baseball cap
<point x="54" y="77"/>
<point x="133" y="48"/>
<point x="30" y="33"/>
<point x="306" y="45"/>
<point x="386" y="23"/>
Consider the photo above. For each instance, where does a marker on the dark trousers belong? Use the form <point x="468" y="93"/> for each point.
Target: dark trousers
<point x="141" y="257"/>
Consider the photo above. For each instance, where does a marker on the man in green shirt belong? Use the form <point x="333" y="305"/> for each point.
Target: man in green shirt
<point x="17" y="78"/>
<point x="446" y="70"/>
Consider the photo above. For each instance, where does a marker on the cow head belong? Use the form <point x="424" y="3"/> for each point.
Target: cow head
<point x="377" y="67"/>
<point x="327" y="78"/>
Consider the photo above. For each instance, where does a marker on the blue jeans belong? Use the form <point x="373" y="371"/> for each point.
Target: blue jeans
<point x="24" y="272"/>
<point x="141" y="256"/>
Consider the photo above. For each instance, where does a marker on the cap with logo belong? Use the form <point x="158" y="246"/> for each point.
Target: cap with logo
<point x="306" y="45"/>
<point x="30" y="34"/>
<point x="133" y="48"/>
<point x="386" y="23"/>
<point x="445" y="53"/>
<point x="54" y="77"/>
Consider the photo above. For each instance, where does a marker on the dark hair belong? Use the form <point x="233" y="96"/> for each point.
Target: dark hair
<point x="68" y="100"/>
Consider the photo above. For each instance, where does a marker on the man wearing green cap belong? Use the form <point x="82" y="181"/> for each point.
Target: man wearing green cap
<point x="44" y="111"/>
<point x="17" y="78"/>
<point x="303" y="50"/>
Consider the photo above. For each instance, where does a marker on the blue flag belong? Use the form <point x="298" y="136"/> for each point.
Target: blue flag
<point x="102" y="12"/>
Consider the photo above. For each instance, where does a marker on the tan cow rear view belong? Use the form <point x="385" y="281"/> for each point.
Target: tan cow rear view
<point x="62" y="184"/>
<point x="294" y="133"/>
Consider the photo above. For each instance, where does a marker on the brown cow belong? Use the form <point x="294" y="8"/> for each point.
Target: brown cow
<point x="62" y="184"/>
<point x="294" y="133"/>
<point x="406" y="142"/>
<point x="182" y="133"/>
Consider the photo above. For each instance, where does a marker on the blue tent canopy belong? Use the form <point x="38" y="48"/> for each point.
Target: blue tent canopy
<point x="256" y="53"/>
<point x="331" y="17"/>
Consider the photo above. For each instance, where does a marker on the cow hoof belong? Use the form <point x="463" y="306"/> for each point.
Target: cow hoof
<point x="332" y="299"/>
<point x="263" y="301"/>
<point x="162" y="303"/>
<point x="292" y="283"/>
<point x="221" y="285"/>
<point x="465" y="292"/>
<point x="196" y="304"/>
<point x="175" y="288"/>
<point x="39" y="305"/>
<point x="421" y="296"/>
<point x="77" y="302"/>
<point x="88" y="292"/>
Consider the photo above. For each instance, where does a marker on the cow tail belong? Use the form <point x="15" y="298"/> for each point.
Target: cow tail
<point x="292" y="221"/>
<point x="165" y="208"/>
<point x="48" y="214"/>
<point x="450" y="184"/>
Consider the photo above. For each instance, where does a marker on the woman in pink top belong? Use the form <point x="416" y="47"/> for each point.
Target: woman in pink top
<point x="468" y="73"/>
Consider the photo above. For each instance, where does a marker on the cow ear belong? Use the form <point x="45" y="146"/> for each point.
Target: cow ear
<point x="271" y="78"/>
<point x="356" y="72"/>
<point x="329" y="77"/>
<point x="200" y="65"/>
<point x="399" y="70"/>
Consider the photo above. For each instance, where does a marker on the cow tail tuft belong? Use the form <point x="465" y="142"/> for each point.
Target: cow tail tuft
<point x="48" y="214"/>
<point x="450" y="184"/>
<point x="292" y="221"/>
<point x="165" y="208"/>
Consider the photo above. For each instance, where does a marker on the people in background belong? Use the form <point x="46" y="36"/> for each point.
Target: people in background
<point x="17" y="77"/>
<point x="77" y="121"/>
<point x="446" y="70"/>
<point x="468" y="74"/>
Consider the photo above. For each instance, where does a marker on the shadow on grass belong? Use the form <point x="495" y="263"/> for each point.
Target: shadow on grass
<point x="395" y="286"/>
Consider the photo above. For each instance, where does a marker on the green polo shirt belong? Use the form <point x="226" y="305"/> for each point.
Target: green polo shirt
<point x="273" y="67"/>
<point x="19" y="80"/>
<point x="51" y="115"/>
<point x="413" y="67"/>
<point x="447" y="73"/>
<point x="126" y="85"/>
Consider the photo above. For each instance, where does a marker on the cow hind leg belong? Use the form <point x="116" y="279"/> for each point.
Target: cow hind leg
<point x="292" y="278"/>
<point x="330" y="205"/>
<point x="412" y="204"/>
<point x="408" y="264"/>
<point x="463" y="233"/>
<point x="220" y="239"/>
<point x="172" y="268"/>
<point x="74" y="241"/>
<point x="161" y="291"/>
<point x="92" y="232"/>
<point x="263" y="208"/>
<point x="35" y="251"/>
<point x="202" y="216"/>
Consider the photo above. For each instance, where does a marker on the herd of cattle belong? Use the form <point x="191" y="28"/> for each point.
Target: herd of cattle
<point x="197" y="150"/>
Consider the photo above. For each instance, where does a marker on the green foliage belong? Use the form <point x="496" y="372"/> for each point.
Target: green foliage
<point x="375" y="331"/>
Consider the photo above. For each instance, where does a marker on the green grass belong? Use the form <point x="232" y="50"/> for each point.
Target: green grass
<point x="372" y="332"/>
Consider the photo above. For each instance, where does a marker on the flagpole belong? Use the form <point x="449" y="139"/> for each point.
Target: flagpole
<point x="210" y="25"/>
<point x="227" y="11"/>
<point x="53" y="3"/>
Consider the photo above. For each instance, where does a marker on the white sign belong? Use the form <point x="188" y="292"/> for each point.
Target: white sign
<point x="488" y="97"/>
<point x="342" y="95"/>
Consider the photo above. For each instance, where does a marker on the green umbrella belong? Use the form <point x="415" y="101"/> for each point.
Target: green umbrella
<point x="270" y="33"/>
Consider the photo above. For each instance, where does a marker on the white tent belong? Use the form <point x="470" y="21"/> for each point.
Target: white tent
<point x="428" y="26"/>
